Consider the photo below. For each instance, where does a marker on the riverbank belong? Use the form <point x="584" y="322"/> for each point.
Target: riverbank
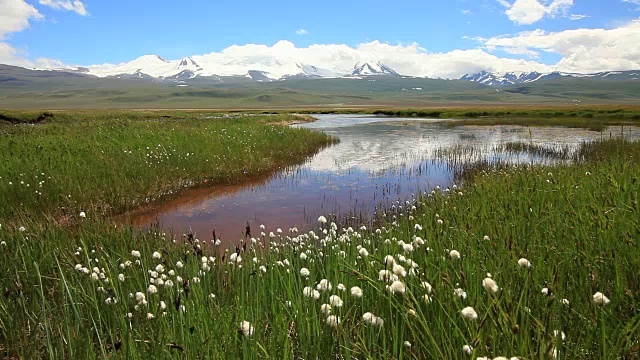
<point x="527" y="262"/>
<point x="109" y="162"/>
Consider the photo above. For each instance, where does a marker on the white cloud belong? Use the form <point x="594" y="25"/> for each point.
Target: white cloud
<point x="302" y="32"/>
<point x="637" y="2"/>
<point x="527" y="12"/>
<point x="467" y="12"/>
<point x="15" y="16"/>
<point x="582" y="50"/>
<point x="578" y="16"/>
<point x="70" y="5"/>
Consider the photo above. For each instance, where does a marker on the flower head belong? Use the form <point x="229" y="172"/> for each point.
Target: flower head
<point x="246" y="329"/>
<point x="600" y="299"/>
<point x="397" y="287"/>
<point x="333" y="320"/>
<point x="454" y="255"/>
<point x="356" y="292"/>
<point x="524" y="263"/>
<point x="469" y="313"/>
<point x="490" y="285"/>
<point x="334" y="300"/>
<point x="304" y="272"/>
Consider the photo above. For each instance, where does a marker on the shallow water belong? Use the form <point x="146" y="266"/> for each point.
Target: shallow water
<point x="378" y="161"/>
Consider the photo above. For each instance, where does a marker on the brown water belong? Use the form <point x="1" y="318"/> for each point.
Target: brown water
<point x="378" y="161"/>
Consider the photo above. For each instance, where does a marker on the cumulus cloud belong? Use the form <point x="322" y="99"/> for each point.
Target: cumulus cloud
<point x="15" y="16"/>
<point x="527" y="12"/>
<point x="582" y="50"/>
<point x="302" y="32"/>
<point x="70" y="5"/>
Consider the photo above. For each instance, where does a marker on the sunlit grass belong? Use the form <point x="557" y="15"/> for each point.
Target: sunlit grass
<point x="506" y="264"/>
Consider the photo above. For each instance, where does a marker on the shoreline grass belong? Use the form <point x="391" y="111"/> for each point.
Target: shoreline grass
<point x="560" y="243"/>
<point x="111" y="162"/>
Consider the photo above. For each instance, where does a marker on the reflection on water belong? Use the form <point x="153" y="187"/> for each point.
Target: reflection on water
<point x="378" y="160"/>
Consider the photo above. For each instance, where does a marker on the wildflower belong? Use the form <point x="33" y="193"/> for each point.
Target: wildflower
<point x="263" y="268"/>
<point x="427" y="287"/>
<point x="152" y="289"/>
<point x="308" y="291"/>
<point x="565" y="302"/>
<point x="324" y="285"/>
<point x="333" y="320"/>
<point x="412" y="312"/>
<point x="322" y="220"/>
<point x="4" y="243"/>
<point x="246" y="329"/>
<point x="417" y="227"/>
<point x="427" y="298"/>
<point x="454" y="255"/>
<point x="439" y="221"/>
<point x="389" y="261"/>
<point x="407" y="248"/>
<point x="140" y="297"/>
<point x="334" y="300"/>
<point x="490" y="285"/>
<point x="160" y="268"/>
<point x="545" y="291"/>
<point x="162" y="305"/>
<point x="363" y="252"/>
<point x="135" y="253"/>
<point x="386" y="275"/>
<point x="22" y="229"/>
<point x="341" y="287"/>
<point x="460" y="293"/>
<point x="407" y="344"/>
<point x="468" y="350"/>
<point x="303" y="256"/>
<point x="150" y="316"/>
<point x="168" y="284"/>
<point x="156" y="255"/>
<point x="469" y="313"/>
<point x="212" y="296"/>
<point x="325" y="309"/>
<point x="356" y="292"/>
<point x="399" y="270"/>
<point x="524" y="263"/>
<point x="486" y="238"/>
<point x="94" y="276"/>
<point x="121" y="277"/>
<point x="397" y="287"/>
<point x="196" y="280"/>
<point x="600" y="299"/>
<point x="557" y="333"/>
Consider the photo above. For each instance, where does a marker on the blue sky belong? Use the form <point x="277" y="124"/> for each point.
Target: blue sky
<point x="112" y="31"/>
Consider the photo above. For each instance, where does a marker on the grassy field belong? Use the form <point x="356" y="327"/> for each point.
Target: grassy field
<point x="529" y="262"/>
<point x="108" y="162"/>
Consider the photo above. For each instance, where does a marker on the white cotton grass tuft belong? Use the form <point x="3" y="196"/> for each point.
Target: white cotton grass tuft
<point x="524" y="263"/>
<point x="82" y="214"/>
<point x="467" y="349"/>
<point x="356" y="292"/>
<point x="333" y="320"/>
<point x="325" y="309"/>
<point x="310" y="292"/>
<point x="600" y="299"/>
<point x="322" y="220"/>
<point x="334" y="300"/>
<point x="135" y="253"/>
<point x="490" y="285"/>
<point x="460" y="293"/>
<point x="371" y="319"/>
<point x="454" y="255"/>
<point x="246" y="329"/>
<point x="156" y="255"/>
<point x="469" y="313"/>
<point x="397" y="287"/>
<point x="324" y="285"/>
<point x="304" y="272"/>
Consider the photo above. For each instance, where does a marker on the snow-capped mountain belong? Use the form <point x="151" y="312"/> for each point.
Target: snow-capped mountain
<point x="514" y="78"/>
<point x="368" y="69"/>
<point x="259" y="68"/>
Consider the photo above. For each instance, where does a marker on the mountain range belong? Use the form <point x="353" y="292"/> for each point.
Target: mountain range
<point x="216" y="66"/>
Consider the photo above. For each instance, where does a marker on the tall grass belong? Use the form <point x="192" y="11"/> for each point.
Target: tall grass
<point x="110" y="162"/>
<point x="577" y="224"/>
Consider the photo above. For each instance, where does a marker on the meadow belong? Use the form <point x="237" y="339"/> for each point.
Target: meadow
<point x="527" y="262"/>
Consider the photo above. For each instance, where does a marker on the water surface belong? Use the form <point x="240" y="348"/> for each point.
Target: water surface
<point x="379" y="160"/>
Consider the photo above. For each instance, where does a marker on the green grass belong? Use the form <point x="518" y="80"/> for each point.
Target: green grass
<point x="110" y="162"/>
<point x="577" y="224"/>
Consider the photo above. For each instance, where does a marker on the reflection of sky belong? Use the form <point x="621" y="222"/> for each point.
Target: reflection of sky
<point x="374" y="162"/>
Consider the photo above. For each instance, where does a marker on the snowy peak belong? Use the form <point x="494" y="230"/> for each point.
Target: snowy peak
<point x="372" y="68"/>
<point x="515" y="78"/>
